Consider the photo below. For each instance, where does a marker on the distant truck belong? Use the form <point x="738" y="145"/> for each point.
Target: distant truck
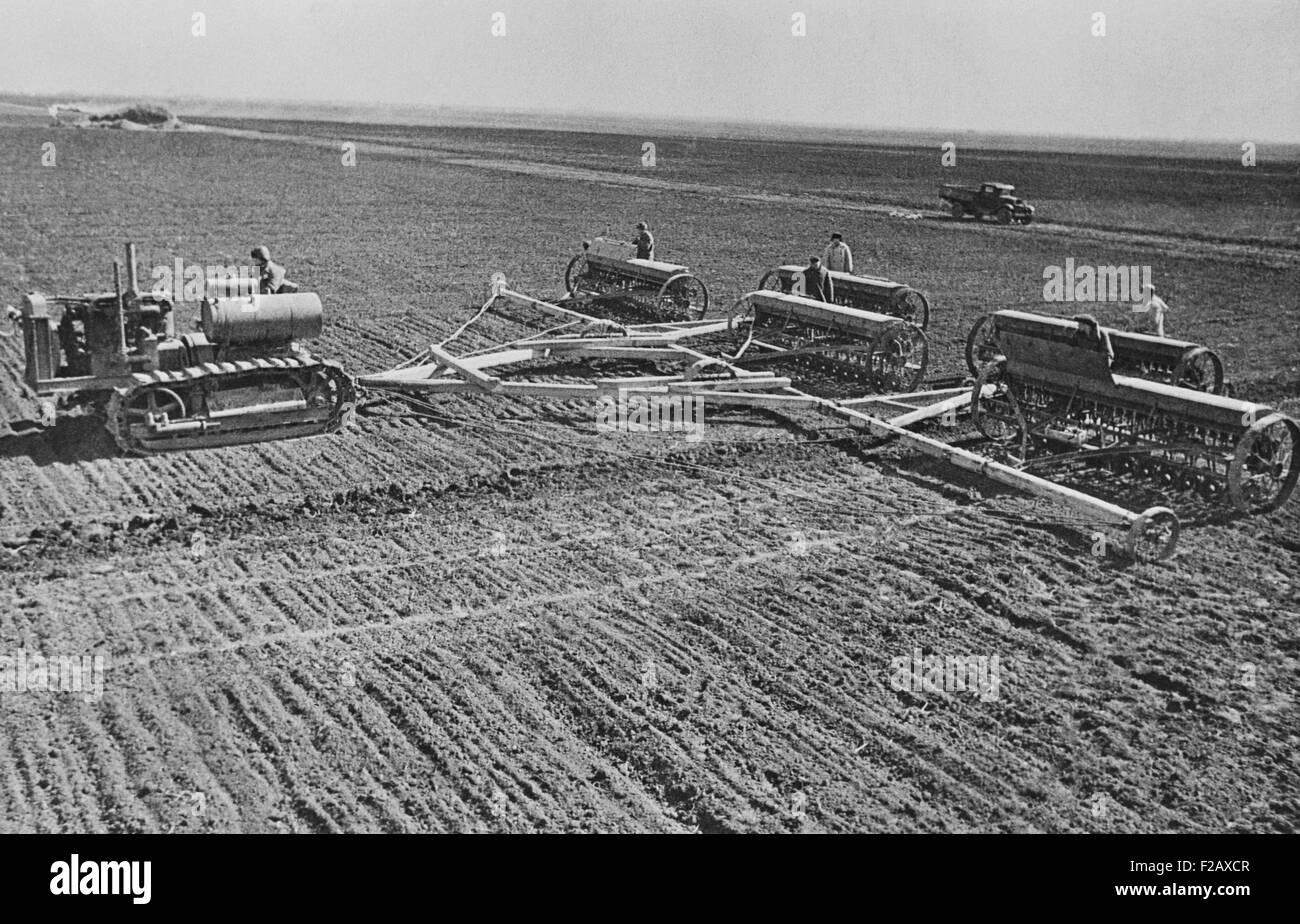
<point x="996" y="199"/>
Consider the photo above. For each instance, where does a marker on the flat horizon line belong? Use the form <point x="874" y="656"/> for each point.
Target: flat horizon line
<point x="713" y="123"/>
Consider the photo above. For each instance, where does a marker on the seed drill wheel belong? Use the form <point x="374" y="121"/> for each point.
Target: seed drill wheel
<point x="1153" y="535"/>
<point x="771" y="282"/>
<point x="981" y="345"/>
<point x="899" y="359"/>
<point x="1264" y="467"/>
<point x="957" y="210"/>
<point x="996" y="416"/>
<point x="914" y="307"/>
<point x="575" y="272"/>
<point x="1202" y="370"/>
<point x="683" y="296"/>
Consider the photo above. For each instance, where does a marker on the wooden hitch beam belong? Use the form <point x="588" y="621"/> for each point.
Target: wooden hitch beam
<point x="1151" y="534"/>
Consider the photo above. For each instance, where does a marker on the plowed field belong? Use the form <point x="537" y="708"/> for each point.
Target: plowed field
<point x="492" y="617"/>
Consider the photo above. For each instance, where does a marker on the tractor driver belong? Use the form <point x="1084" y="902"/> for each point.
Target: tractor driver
<point x="271" y="274"/>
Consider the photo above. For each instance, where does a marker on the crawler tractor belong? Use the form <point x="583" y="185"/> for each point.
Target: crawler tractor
<point x="243" y="377"/>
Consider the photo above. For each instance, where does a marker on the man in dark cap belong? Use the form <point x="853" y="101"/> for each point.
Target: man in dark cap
<point x="817" y="281"/>
<point x="271" y="274"/>
<point x="838" y="258"/>
<point x="645" y="242"/>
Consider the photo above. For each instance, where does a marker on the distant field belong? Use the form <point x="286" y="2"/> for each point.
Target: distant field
<point x="545" y="629"/>
<point x="1213" y="198"/>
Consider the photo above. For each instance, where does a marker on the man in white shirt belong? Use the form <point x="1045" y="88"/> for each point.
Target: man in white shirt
<point x="1154" y="307"/>
<point x="838" y="258"/>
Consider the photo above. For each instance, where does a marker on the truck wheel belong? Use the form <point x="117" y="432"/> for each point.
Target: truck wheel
<point x="1027" y="219"/>
<point x="1004" y="216"/>
<point x="958" y="210"/>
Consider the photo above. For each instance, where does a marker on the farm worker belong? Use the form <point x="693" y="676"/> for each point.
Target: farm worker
<point x="645" y="242"/>
<point x="1093" y="336"/>
<point x="272" y="274"/>
<point x="838" y="258"/>
<point x="817" y="281"/>
<point x="1154" y="307"/>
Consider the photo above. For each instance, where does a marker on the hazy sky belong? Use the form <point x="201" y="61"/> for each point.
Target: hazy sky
<point x="1186" y="69"/>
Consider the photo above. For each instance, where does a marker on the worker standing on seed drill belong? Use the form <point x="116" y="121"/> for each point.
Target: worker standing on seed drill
<point x="645" y="242"/>
<point x="1090" y="335"/>
<point x="817" y="281"/>
<point x="838" y="258"/>
<point x="1154" y="308"/>
<point x="271" y="274"/>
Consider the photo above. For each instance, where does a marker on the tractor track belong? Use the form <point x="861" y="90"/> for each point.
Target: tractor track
<point x="459" y="440"/>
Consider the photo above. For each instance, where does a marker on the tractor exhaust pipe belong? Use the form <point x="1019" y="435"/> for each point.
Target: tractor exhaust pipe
<point x="132" y="280"/>
<point x="121" y="309"/>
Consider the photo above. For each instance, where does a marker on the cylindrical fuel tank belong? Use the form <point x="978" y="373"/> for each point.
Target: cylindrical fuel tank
<point x="229" y="286"/>
<point x="263" y="318"/>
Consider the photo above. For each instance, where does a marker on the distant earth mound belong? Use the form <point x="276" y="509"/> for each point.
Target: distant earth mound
<point x="134" y="116"/>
